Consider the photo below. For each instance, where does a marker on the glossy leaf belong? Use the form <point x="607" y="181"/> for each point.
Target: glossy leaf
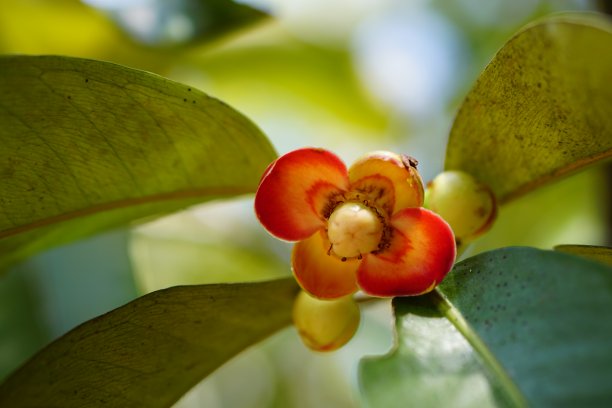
<point x="540" y="109"/>
<point x="533" y="321"/>
<point x="596" y="253"/>
<point x="153" y="350"/>
<point x="88" y="145"/>
<point x="433" y="365"/>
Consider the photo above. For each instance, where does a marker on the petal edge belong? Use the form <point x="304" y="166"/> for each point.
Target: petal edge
<point x="421" y="253"/>
<point x="399" y="169"/>
<point x="321" y="275"/>
<point x="293" y="192"/>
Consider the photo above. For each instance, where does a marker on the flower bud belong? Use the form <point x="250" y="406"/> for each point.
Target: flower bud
<point x="325" y="325"/>
<point x="466" y="204"/>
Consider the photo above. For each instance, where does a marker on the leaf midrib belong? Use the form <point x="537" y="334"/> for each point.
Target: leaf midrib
<point x="488" y="359"/>
<point x="128" y="202"/>
<point x="552" y="176"/>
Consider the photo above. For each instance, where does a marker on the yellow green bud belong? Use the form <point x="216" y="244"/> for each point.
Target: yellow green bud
<point x="466" y="204"/>
<point x="325" y="325"/>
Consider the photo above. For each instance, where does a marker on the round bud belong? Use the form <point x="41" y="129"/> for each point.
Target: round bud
<point x="466" y="204"/>
<point x="353" y="229"/>
<point x="325" y="325"/>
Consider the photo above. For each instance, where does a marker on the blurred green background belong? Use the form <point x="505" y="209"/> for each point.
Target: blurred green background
<point x="348" y="75"/>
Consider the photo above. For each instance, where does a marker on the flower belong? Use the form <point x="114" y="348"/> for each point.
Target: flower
<point x="361" y="228"/>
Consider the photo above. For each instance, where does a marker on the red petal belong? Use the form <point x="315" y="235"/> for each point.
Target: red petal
<point x="323" y="276"/>
<point x="421" y="252"/>
<point x="407" y="183"/>
<point x="297" y="190"/>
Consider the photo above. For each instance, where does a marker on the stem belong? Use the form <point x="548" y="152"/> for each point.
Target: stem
<point x="368" y="299"/>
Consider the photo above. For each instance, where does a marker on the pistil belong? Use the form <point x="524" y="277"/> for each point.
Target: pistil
<point x="354" y="229"/>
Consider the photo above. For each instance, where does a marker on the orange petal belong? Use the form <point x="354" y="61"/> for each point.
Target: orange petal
<point x="297" y="192"/>
<point x="421" y="252"/>
<point x="323" y="276"/>
<point x="399" y="169"/>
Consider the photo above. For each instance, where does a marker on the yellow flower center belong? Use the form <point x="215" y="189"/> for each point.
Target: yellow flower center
<point x="354" y="229"/>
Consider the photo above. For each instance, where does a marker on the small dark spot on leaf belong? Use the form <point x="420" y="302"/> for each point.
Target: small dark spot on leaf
<point x="193" y="102"/>
<point x="189" y="89"/>
<point x="539" y="84"/>
<point x="184" y="99"/>
<point x="69" y="97"/>
<point x="86" y="79"/>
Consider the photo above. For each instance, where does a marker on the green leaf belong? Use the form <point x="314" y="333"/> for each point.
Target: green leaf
<point x="22" y="331"/>
<point x="540" y="109"/>
<point x="88" y="145"/>
<point x="162" y="262"/>
<point x="534" y="322"/>
<point x="596" y="253"/>
<point x="151" y="351"/>
<point x="433" y="365"/>
<point x="207" y="20"/>
<point x="332" y="92"/>
<point x="215" y="18"/>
